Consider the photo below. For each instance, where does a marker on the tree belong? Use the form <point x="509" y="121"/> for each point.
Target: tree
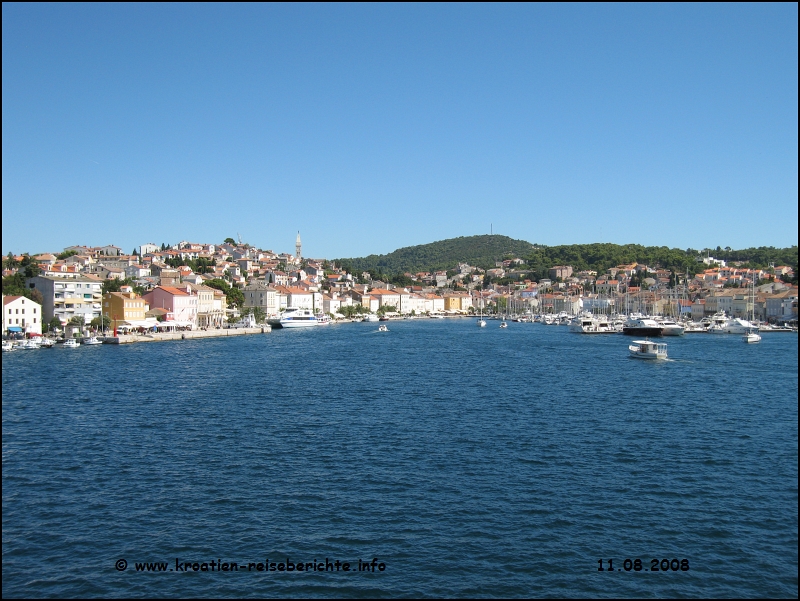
<point x="135" y="253"/>
<point x="229" y="241"/>
<point x="233" y="296"/>
<point x="387" y="309"/>
<point x="257" y="312"/>
<point x="98" y="323"/>
<point x="66" y="254"/>
<point x="54" y="323"/>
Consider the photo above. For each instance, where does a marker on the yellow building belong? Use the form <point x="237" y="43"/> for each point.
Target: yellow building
<point x="124" y="306"/>
<point x="452" y="303"/>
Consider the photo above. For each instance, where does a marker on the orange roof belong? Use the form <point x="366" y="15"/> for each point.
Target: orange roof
<point x="10" y="299"/>
<point x="174" y="291"/>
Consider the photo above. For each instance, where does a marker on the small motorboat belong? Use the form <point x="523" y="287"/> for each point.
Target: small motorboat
<point x="645" y="349"/>
<point x="92" y="340"/>
<point x="71" y="343"/>
<point x="751" y="336"/>
<point x="504" y="325"/>
<point x="8" y="346"/>
<point x="383" y="328"/>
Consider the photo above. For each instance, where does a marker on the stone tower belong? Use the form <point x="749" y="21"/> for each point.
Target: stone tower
<point x="298" y="247"/>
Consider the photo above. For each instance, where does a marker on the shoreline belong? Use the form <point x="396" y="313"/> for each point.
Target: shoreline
<point x="187" y="335"/>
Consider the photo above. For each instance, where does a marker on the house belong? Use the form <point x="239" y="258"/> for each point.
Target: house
<point x="107" y="273"/>
<point x="21" y="315"/>
<point x="386" y="298"/>
<point x="331" y="303"/>
<point x="560" y="271"/>
<point x="137" y="271"/>
<point x="260" y="294"/>
<point x="125" y="306"/>
<point x="209" y="313"/>
<point x="181" y="302"/>
<point x="109" y="251"/>
<point x="457" y="302"/>
<point x="300" y="298"/>
<point x="433" y="303"/>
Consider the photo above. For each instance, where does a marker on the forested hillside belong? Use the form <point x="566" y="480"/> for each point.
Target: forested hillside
<point x="480" y="251"/>
<point x="484" y="251"/>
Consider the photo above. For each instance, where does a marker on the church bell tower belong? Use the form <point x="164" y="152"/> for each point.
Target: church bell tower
<point x="298" y="247"/>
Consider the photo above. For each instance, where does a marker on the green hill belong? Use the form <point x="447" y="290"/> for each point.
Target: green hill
<point x="480" y="251"/>
<point x="484" y="251"/>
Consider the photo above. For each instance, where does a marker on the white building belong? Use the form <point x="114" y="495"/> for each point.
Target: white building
<point x="148" y="248"/>
<point x="21" y="315"/>
<point x="69" y="296"/>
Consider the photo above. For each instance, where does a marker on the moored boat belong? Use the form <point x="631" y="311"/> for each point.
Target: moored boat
<point x="642" y="327"/>
<point x="671" y="328"/>
<point x="293" y="317"/>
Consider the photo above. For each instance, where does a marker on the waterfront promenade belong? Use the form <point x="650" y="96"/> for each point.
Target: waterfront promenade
<point x="188" y="335"/>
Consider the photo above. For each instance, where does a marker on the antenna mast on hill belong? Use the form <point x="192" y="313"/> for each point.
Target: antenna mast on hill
<point x="238" y="235"/>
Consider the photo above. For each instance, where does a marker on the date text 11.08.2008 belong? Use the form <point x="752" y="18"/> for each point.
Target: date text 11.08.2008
<point x="656" y="565"/>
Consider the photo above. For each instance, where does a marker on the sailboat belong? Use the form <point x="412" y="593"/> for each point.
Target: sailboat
<point x="751" y="334"/>
<point x="481" y="320"/>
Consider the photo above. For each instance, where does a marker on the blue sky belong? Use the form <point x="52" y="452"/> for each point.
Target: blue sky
<point x="373" y="127"/>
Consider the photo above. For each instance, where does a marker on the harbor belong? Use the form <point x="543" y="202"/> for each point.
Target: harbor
<point x="281" y="428"/>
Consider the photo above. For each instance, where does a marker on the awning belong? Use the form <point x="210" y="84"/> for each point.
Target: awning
<point x="14" y="329"/>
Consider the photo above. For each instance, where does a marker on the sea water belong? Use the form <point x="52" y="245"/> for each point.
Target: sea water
<point x="436" y="459"/>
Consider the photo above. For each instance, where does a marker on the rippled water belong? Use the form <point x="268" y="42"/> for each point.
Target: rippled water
<point x="470" y="462"/>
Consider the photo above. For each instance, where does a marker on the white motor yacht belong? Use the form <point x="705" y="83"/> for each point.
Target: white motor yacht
<point x="588" y="324"/>
<point x="71" y="343"/>
<point x="737" y="325"/>
<point x="370" y="317"/>
<point x="642" y="327"/>
<point x="671" y="328"/>
<point x="91" y="340"/>
<point x="8" y="346"/>
<point x="645" y="349"/>
<point x="293" y="317"/>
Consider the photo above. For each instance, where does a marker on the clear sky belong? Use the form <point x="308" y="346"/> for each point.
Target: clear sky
<point x="373" y="127"/>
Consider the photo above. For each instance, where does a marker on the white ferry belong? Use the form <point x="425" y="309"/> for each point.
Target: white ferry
<point x="298" y="318"/>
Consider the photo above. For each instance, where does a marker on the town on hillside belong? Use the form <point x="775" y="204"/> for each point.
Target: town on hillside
<point x="208" y="286"/>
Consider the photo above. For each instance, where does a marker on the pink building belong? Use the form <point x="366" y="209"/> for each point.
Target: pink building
<point x="181" y="302"/>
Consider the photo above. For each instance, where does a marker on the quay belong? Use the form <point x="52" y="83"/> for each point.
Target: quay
<point x="187" y="335"/>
